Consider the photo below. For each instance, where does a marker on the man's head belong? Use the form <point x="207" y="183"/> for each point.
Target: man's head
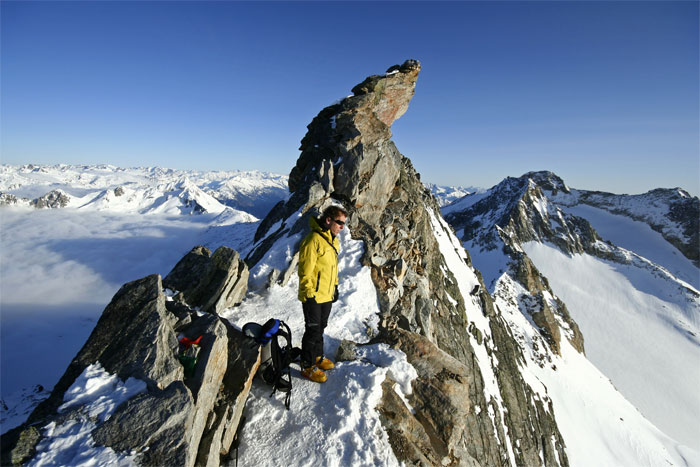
<point x="333" y="218"/>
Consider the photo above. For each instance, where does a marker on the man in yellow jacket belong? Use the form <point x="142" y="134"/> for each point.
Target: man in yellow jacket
<point x="318" y="287"/>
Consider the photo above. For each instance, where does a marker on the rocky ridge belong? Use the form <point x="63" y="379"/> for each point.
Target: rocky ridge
<point x="348" y="158"/>
<point x="182" y="417"/>
<point x="671" y="212"/>
<point x="514" y="212"/>
<point x="534" y="208"/>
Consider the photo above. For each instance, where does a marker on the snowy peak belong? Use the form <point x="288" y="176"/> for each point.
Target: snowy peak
<point x="561" y="262"/>
<point x="193" y="200"/>
<point x="548" y="181"/>
<point x="537" y="207"/>
<point x="521" y="211"/>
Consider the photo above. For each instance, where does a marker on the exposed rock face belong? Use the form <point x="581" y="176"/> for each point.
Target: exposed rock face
<point x="540" y="195"/>
<point x="160" y="421"/>
<point x="442" y="401"/>
<point x="6" y="199"/>
<point x="52" y="200"/>
<point x="517" y="211"/>
<point x="179" y="420"/>
<point x="211" y="282"/>
<point x="347" y="157"/>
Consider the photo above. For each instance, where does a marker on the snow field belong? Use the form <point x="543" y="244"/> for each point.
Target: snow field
<point x="639" y="237"/>
<point x="626" y="316"/>
<point x="599" y="426"/>
<point x="147" y="190"/>
<point x="334" y="423"/>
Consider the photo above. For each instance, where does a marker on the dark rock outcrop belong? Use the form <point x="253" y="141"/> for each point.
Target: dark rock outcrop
<point x="52" y="200"/>
<point x="517" y="211"/>
<point x="179" y="420"/>
<point x="7" y="199"/>
<point x="348" y="158"/>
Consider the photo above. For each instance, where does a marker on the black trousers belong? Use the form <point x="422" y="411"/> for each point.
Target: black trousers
<point x="316" y="319"/>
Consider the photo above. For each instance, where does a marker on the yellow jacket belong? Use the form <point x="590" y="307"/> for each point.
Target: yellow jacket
<point x="318" y="264"/>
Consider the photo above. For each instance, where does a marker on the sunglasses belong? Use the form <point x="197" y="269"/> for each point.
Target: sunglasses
<point x="340" y="223"/>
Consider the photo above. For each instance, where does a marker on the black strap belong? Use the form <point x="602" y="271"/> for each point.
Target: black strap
<point x="327" y="241"/>
<point x="237" y="437"/>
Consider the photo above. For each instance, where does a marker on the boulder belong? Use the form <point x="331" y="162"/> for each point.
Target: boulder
<point x="242" y="364"/>
<point x="157" y="425"/>
<point x="132" y="338"/>
<point x="432" y="431"/>
<point x="188" y="271"/>
<point x="210" y="282"/>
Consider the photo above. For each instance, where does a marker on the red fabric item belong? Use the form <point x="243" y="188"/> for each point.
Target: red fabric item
<point x="189" y="342"/>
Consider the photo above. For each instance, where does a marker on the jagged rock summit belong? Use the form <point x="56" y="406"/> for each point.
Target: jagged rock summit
<point x="532" y="208"/>
<point x="432" y="301"/>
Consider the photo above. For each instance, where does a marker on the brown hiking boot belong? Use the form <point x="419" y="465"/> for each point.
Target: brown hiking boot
<point x="314" y="374"/>
<point x="324" y="364"/>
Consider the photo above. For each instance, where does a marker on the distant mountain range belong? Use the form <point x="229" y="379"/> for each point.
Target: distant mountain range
<point x="141" y="190"/>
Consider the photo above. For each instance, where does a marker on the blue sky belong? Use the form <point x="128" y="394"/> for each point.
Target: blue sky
<point x="605" y="94"/>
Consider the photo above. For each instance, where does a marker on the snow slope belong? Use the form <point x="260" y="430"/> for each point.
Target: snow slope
<point x="637" y="236"/>
<point x="653" y="207"/>
<point x="639" y="331"/>
<point x="599" y="425"/>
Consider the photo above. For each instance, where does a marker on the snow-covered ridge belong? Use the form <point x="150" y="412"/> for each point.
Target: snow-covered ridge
<point x="141" y="190"/>
<point x="672" y="212"/>
<point x="634" y="295"/>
